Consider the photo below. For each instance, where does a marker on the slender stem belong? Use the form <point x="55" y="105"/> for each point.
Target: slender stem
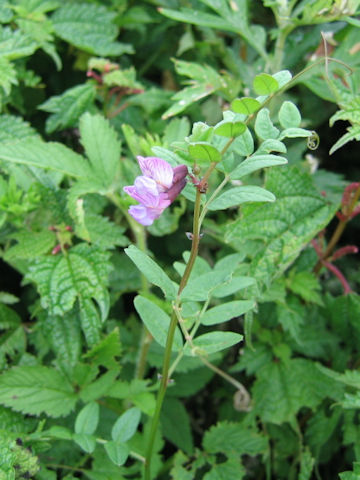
<point x="170" y="337"/>
<point x="338" y="232"/>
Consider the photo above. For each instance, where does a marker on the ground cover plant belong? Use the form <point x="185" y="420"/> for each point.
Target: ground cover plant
<point x="178" y="223"/>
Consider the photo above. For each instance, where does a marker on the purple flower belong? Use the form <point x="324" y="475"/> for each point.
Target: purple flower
<point x="156" y="189"/>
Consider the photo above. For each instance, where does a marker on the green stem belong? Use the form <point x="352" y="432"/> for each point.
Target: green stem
<point x="170" y="337"/>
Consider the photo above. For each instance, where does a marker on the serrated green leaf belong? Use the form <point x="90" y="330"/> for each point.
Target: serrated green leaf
<point x="352" y="134"/>
<point x="265" y="84"/>
<point x="227" y="311"/>
<point x="102" y="147"/>
<point x="256" y="162"/>
<point x="33" y="152"/>
<point x="214" y="342"/>
<point x="204" y="153"/>
<point x="14" y="44"/>
<point x="7" y="75"/>
<point x="31" y="245"/>
<point x="100" y="231"/>
<point x="245" y="105"/>
<point x="230" y="468"/>
<point x="106" y="351"/>
<point x="152" y="271"/>
<point x="157" y="322"/>
<point x="37" y="389"/>
<point x="67" y="108"/>
<point x="175" y="425"/>
<point x="87" y="419"/>
<point x="282" y="229"/>
<point x="306" y="465"/>
<point x="99" y="387"/>
<point x="300" y="377"/>
<point x="118" y="452"/>
<point x="229" y="129"/>
<point x="306" y="285"/>
<point x="15" y="128"/>
<point x="126" y="425"/>
<point x="289" y="115"/>
<point x="239" y="195"/>
<point x="80" y="274"/>
<point x="226" y="437"/>
<point x="86" y="442"/>
<point x="264" y="127"/>
<point x="78" y="24"/>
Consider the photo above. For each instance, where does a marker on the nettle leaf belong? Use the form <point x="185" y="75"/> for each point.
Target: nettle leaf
<point x="157" y="322"/>
<point x="36" y="389"/>
<point x="80" y="274"/>
<point x="264" y="127"/>
<point x="34" y="152"/>
<point x="265" y="84"/>
<point x="203" y="152"/>
<point x="229" y="129"/>
<point x="15" y="128"/>
<point x="152" y="271"/>
<point x="245" y="105"/>
<point x="105" y="353"/>
<point x="213" y="342"/>
<point x="308" y="387"/>
<point x="15" y="44"/>
<point x="256" y="162"/>
<point x="282" y="229"/>
<point x="101" y="231"/>
<point x="87" y="419"/>
<point x="102" y="147"/>
<point x="67" y="108"/>
<point x="289" y="115"/>
<point x="126" y="425"/>
<point x="238" y="195"/>
<point x="7" y="75"/>
<point x="78" y="24"/>
<point x="227" y="311"/>
<point x="30" y="245"/>
<point x="228" y="437"/>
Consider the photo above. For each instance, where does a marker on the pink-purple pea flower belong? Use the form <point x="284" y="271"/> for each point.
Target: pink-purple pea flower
<point x="156" y="189"/>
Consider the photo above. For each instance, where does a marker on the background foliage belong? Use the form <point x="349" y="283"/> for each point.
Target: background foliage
<point x="85" y="86"/>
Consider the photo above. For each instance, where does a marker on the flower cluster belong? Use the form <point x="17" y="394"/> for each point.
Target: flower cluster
<point x="156" y="189"/>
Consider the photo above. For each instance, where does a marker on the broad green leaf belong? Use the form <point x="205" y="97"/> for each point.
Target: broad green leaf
<point x="86" y="442"/>
<point x="152" y="271"/>
<point x="245" y="105"/>
<point x="265" y="84"/>
<point x="256" y="162"/>
<point x="36" y="389"/>
<point x="197" y="17"/>
<point x="80" y="274"/>
<point x="186" y="97"/>
<point x="229" y="129"/>
<point x="157" y="322"/>
<point x="90" y="321"/>
<point x="243" y="145"/>
<point x="87" y="419"/>
<point x="100" y="231"/>
<point x="203" y="152"/>
<point x="295" y="133"/>
<point x="282" y="229"/>
<point x="227" y="311"/>
<point x="102" y="147"/>
<point x="78" y="24"/>
<point x="203" y="286"/>
<point x="308" y="387"/>
<point x="238" y="195"/>
<point x="99" y="387"/>
<point x="126" y="425"/>
<point x="235" y="284"/>
<point x="271" y="145"/>
<point x="30" y="245"/>
<point x="230" y="468"/>
<point x="175" y="424"/>
<point x="227" y="437"/>
<point x="118" y="452"/>
<point x="67" y="108"/>
<point x="213" y="342"/>
<point x="264" y="127"/>
<point x="33" y="152"/>
<point x="105" y="353"/>
<point x="289" y="115"/>
<point x="15" y="128"/>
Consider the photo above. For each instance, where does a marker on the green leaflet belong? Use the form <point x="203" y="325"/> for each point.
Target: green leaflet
<point x="37" y="389"/>
<point x="175" y="424"/>
<point x="87" y="419"/>
<point x="213" y="342"/>
<point x="226" y="311"/>
<point x="118" y="452"/>
<point x="80" y="274"/>
<point x="238" y="195"/>
<point x="151" y="270"/>
<point x="7" y="75"/>
<point x="67" y="108"/>
<point x="157" y="322"/>
<point x="102" y="147"/>
<point x="126" y="425"/>
<point x="282" y="229"/>
<point x="256" y="162"/>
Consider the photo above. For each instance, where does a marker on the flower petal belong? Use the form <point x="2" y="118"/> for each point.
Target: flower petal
<point x="157" y="169"/>
<point x="144" y="215"/>
<point x="144" y="191"/>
